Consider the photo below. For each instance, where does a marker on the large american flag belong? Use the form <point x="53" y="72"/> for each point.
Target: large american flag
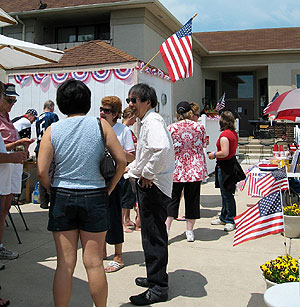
<point x="269" y="104"/>
<point x="264" y="218"/>
<point x="221" y="103"/>
<point x="274" y="181"/>
<point x="176" y="52"/>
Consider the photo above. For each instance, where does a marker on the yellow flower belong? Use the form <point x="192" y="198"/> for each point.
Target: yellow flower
<point x="292" y="278"/>
<point x="268" y="264"/>
<point x="294" y="206"/>
<point x="268" y="273"/>
<point x="263" y="268"/>
<point x="282" y="275"/>
<point x="294" y="268"/>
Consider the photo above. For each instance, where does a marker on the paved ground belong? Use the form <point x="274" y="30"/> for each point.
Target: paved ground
<point x="208" y="272"/>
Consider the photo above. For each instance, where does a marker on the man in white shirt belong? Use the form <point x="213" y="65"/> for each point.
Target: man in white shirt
<point x="153" y="171"/>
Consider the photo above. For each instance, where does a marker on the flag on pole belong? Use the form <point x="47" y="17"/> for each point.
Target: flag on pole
<point x="269" y="104"/>
<point x="274" y="181"/>
<point x="176" y="52"/>
<point x="253" y="179"/>
<point x="221" y="103"/>
<point x="264" y="218"/>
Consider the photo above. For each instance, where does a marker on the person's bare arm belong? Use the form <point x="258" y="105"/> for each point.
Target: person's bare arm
<point x="116" y="151"/>
<point x="45" y="157"/>
<point x="25" y="141"/>
<point x="224" y="152"/>
<point x="14" y="157"/>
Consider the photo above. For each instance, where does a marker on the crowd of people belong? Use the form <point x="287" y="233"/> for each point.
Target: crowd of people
<point x="155" y="168"/>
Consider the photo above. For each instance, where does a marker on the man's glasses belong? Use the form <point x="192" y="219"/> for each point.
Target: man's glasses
<point x="133" y="100"/>
<point x="105" y="110"/>
<point x="10" y="100"/>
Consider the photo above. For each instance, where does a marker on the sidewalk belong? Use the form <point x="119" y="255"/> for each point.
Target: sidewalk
<point x="207" y="272"/>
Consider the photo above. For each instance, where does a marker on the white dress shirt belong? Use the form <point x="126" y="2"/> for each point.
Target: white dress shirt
<point x="154" y="158"/>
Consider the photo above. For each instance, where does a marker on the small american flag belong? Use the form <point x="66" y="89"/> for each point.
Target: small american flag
<point x="221" y="103"/>
<point x="241" y="185"/>
<point x="177" y="54"/>
<point x="253" y="179"/>
<point x="274" y="181"/>
<point x="264" y="218"/>
<point x="269" y="104"/>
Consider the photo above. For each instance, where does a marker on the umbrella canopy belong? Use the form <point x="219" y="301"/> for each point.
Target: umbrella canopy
<point x="16" y="53"/>
<point x="6" y="20"/>
<point x="286" y="106"/>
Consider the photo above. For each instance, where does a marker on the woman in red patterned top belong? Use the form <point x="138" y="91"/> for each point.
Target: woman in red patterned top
<point x="189" y="139"/>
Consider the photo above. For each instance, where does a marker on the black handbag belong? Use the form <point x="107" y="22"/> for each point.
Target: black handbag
<point x="107" y="164"/>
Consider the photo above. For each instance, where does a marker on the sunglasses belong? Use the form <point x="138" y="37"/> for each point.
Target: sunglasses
<point x="10" y="100"/>
<point x="133" y="100"/>
<point x="105" y="110"/>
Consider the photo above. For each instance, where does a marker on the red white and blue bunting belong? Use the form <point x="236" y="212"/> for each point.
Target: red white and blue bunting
<point x="38" y="78"/>
<point x="81" y="76"/>
<point x="153" y="71"/>
<point x="101" y="75"/>
<point x="123" y="74"/>
<point x="60" y="78"/>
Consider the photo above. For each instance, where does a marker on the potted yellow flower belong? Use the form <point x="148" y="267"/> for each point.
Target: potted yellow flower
<point x="292" y="221"/>
<point x="280" y="270"/>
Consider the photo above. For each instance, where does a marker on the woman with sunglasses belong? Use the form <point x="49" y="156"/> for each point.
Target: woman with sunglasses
<point x="12" y="142"/>
<point x="111" y="110"/>
<point x="189" y="139"/>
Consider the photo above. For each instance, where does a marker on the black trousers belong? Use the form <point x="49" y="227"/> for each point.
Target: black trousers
<point x="153" y="212"/>
<point x="191" y="192"/>
<point x="115" y="233"/>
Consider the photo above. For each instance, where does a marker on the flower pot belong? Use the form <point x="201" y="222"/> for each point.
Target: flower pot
<point x="269" y="283"/>
<point x="292" y="226"/>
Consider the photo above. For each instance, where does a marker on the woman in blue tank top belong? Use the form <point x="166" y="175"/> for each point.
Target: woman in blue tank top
<point x="79" y="198"/>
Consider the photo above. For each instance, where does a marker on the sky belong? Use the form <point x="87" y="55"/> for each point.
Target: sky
<point x="222" y="15"/>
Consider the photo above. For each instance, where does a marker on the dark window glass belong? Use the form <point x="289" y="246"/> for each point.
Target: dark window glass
<point x="66" y="35"/>
<point x="238" y="85"/>
<point x="86" y="34"/>
<point x="298" y="81"/>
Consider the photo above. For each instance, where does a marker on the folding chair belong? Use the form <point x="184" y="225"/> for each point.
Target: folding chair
<point x="15" y="203"/>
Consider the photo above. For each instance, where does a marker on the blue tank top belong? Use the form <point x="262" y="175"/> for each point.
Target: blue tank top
<point x="78" y="149"/>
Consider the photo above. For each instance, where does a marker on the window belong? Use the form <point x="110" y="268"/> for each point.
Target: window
<point x="83" y="33"/>
<point x="298" y="81"/>
<point x="238" y="85"/>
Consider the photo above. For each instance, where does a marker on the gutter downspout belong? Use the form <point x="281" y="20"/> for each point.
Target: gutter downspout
<point x="23" y="28"/>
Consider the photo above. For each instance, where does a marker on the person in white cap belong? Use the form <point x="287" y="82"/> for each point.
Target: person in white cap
<point x="23" y="123"/>
<point x="11" y="141"/>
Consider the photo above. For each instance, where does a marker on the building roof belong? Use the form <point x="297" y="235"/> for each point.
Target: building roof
<point x="250" y="40"/>
<point x="25" y="5"/>
<point x="89" y="54"/>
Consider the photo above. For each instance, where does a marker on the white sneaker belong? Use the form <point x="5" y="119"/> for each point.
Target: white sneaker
<point x="217" y="222"/>
<point x="190" y="235"/>
<point x="6" y="254"/>
<point x="229" y="227"/>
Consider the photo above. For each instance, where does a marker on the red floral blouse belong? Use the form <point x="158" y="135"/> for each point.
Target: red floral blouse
<point x="189" y="139"/>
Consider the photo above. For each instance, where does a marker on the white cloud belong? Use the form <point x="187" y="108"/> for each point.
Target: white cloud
<point x="218" y="15"/>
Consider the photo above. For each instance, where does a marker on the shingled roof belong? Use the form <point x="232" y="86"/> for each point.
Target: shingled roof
<point x="250" y="40"/>
<point x="30" y="5"/>
<point x="90" y="53"/>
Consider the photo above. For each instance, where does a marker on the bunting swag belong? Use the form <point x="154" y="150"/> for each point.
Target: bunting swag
<point x="123" y="74"/>
<point x="59" y="78"/>
<point x="81" y="76"/>
<point x="38" y="78"/>
<point x="101" y="75"/>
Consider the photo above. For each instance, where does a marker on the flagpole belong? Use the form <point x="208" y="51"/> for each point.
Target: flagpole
<point x="157" y="53"/>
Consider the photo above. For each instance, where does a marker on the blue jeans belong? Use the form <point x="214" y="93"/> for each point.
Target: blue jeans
<point x="228" y="211"/>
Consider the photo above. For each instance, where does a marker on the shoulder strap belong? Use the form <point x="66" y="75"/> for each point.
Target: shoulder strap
<point x="101" y="131"/>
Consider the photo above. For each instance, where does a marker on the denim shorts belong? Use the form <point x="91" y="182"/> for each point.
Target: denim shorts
<point x="86" y="210"/>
